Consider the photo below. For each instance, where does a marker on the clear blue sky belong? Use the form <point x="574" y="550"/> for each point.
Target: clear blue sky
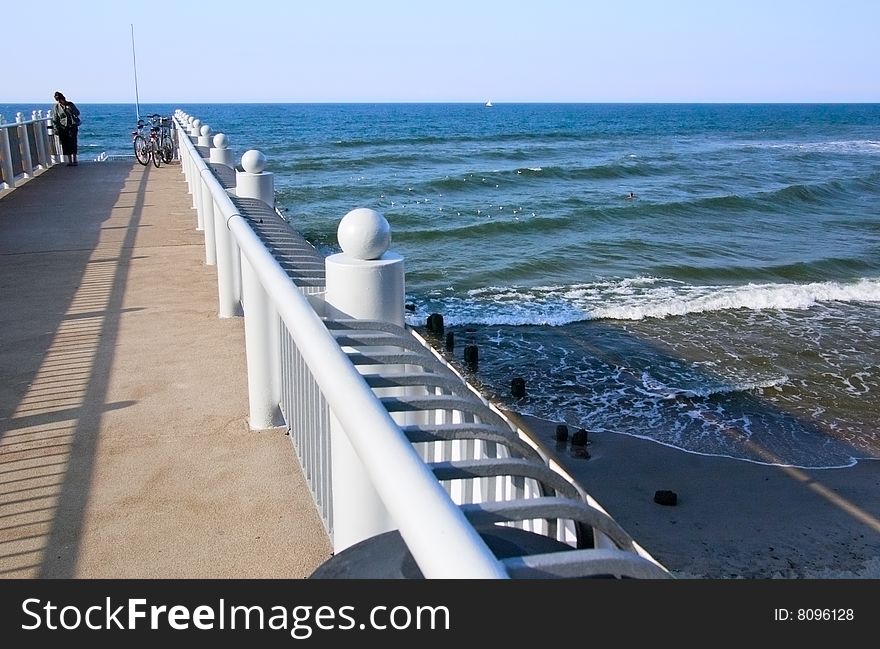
<point x="446" y="50"/>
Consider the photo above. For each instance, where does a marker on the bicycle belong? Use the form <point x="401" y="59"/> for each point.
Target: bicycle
<point x="158" y="145"/>
<point x="139" y="142"/>
<point x="155" y="152"/>
<point x="166" y="140"/>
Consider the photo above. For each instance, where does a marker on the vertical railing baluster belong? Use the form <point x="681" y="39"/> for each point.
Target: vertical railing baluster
<point x="24" y="144"/>
<point x="6" y="155"/>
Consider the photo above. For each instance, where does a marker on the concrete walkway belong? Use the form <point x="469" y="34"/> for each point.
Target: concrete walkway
<point x="124" y="445"/>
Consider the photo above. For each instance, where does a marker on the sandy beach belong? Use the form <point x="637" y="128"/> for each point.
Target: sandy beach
<point x="733" y="519"/>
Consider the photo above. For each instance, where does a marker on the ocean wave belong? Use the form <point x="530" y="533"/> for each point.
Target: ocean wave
<point x="488" y="222"/>
<point x="483" y="138"/>
<point x="634" y="299"/>
<point x="797" y="195"/>
<point x="368" y="142"/>
<point x="754" y="297"/>
<point x="658" y="389"/>
<point x="810" y="193"/>
<point x="825" y="269"/>
<point x="384" y="160"/>
<point x="832" y="146"/>
<point x="627" y="169"/>
<point x="548" y="174"/>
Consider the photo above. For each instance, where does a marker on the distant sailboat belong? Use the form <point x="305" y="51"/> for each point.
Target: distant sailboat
<point x="488" y="104"/>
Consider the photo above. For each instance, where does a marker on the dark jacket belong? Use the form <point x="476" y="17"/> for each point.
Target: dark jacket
<point x="63" y="115"/>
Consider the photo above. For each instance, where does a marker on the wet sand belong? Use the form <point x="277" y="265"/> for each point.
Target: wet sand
<point x="733" y="519"/>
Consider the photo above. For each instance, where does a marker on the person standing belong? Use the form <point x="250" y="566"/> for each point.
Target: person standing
<point x="65" y="121"/>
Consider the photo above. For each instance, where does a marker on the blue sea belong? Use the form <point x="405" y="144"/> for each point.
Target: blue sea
<point x="731" y="307"/>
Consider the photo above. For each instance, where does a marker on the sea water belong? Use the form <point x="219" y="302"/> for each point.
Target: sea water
<point x="730" y="306"/>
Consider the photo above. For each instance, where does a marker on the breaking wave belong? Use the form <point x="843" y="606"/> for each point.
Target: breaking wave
<point x="634" y="299"/>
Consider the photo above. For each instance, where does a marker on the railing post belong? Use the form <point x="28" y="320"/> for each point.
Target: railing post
<point x="254" y="182"/>
<point x="6" y="155"/>
<point x="57" y="157"/>
<point x="43" y="128"/>
<point x="261" y="323"/>
<point x="220" y="152"/>
<point x="198" y="190"/>
<point x="261" y="337"/>
<point x="185" y="157"/>
<point x="205" y="206"/>
<point x="25" y="146"/>
<point x="227" y="254"/>
<point x="207" y="212"/>
<point x="197" y="181"/>
<point x="189" y="166"/>
<point x="180" y="117"/>
<point x="226" y="250"/>
<point x="205" y="136"/>
<point x="365" y="281"/>
<point x="181" y="133"/>
<point x="38" y="141"/>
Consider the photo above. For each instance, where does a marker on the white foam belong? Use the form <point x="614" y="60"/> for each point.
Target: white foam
<point x="833" y="146"/>
<point x="641" y="298"/>
<point x="756" y="297"/>
<point x="657" y="388"/>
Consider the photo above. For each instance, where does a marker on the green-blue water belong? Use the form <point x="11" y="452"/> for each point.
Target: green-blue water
<point x="730" y="308"/>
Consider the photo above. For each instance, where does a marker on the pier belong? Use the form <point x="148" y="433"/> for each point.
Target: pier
<point x="125" y="446"/>
<point x="190" y="390"/>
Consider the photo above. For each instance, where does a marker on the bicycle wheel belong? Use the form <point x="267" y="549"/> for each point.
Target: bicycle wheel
<point x="156" y="153"/>
<point x="141" y="150"/>
<point x="167" y="151"/>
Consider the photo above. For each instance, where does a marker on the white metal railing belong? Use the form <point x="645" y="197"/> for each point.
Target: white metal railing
<point x="27" y="147"/>
<point x="422" y="511"/>
<point x="389" y="435"/>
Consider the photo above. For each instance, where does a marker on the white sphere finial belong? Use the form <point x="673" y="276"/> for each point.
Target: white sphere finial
<point x="253" y="161"/>
<point x="205" y="130"/>
<point x="221" y="141"/>
<point x="364" y="234"/>
<point x="197" y="124"/>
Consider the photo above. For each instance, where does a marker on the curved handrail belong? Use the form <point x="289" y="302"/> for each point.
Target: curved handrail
<point x="355" y="362"/>
<point x="418" y="504"/>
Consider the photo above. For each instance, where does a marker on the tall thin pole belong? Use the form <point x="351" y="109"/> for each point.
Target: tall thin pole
<point x="137" y="103"/>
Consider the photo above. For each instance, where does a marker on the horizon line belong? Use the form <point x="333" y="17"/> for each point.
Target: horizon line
<point x="472" y="102"/>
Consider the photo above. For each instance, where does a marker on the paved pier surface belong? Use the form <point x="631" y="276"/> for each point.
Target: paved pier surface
<point x="124" y="444"/>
